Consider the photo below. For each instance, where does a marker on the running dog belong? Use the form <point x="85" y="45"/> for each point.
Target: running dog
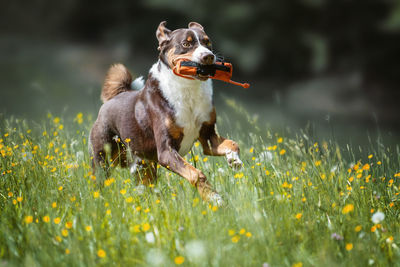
<point x="160" y="122"/>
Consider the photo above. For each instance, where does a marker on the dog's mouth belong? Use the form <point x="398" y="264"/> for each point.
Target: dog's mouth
<point x="201" y="77"/>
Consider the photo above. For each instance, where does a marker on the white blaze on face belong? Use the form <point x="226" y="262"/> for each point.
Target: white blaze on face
<point x="200" y="50"/>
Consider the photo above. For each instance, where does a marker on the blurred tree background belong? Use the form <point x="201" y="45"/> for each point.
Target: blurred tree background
<point x="307" y="60"/>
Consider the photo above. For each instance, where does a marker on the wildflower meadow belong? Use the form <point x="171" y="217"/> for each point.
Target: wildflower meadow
<point x="296" y="202"/>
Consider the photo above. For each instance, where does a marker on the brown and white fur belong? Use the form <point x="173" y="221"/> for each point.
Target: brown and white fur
<point x="165" y="117"/>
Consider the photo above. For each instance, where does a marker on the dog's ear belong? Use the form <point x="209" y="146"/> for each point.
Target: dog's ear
<point x="162" y="34"/>
<point x="195" y="25"/>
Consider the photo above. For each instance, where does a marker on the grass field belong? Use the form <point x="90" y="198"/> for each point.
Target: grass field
<point x="296" y="202"/>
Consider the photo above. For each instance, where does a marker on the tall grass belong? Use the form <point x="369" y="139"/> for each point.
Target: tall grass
<point x="296" y="202"/>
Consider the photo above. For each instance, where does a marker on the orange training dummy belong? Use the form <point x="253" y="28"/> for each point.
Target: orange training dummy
<point x="219" y="71"/>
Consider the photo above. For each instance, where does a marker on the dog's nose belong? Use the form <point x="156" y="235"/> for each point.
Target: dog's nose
<point x="207" y="59"/>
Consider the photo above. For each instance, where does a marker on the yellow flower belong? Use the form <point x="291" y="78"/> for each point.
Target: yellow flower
<point x="28" y="219"/>
<point x="231" y="232"/>
<point x="358" y="228"/>
<point x="238" y="175"/>
<point x="138" y="208"/>
<point x="280" y="140"/>
<point x="298" y="216"/>
<point x="242" y="231"/>
<point x="235" y="238"/>
<point x="101" y="253"/>
<point x="56" y="120"/>
<point x="145" y="227"/>
<point x="349" y="246"/>
<point x="14" y="201"/>
<point x="127" y="140"/>
<point x="88" y="228"/>
<point x="68" y="225"/>
<point x="58" y="238"/>
<point x="60" y="188"/>
<point x="317" y="163"/>
<point x="109" y="181"/>
<point x="366" y="167"/>
<point x="147" y="210"/>
<point x="79" y="118"/>
<point x="179" y="260"/>
<point x="123" y="191"/>
<point x="214" y="208"/>
<point x="129" y="199"/>
<point x="19" y="199"/>
<point x="297" y="264"/>
<point x="379" y="163"/>
<point x="64" y="232"/>
<point x="96" y="194"/>
<point x="67" y="251"/>
<point x="370" y="156"/>
<point x="10" y="194"/>
<point x="205" y="159"/>
<point x="251" y="150"/>
<point x="348" y="208"/>
<point x="57" y="220"/>
<point x="108" y="212"/>
<point x="54" y="205"/>
<point x="46" y="219"/>
<point x="373" y="228"/>
<point x="282" y="152"/>
<point x="136" y="228"/>
<point x="248" y="234"/>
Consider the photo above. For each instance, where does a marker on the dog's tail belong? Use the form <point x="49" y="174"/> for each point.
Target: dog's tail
<point x="118" y="80"/>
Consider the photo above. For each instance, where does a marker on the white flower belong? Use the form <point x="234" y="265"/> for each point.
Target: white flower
<point x="155" y="257"/>
<point x="378" y="217"/>
<point x="265" y="156"/>
<point x="150" y="237"/>
<point x="196" y="250"/>
<point x="140" y="189"/>
<point x="79" y="155"/>
<point x="334" y="168"/>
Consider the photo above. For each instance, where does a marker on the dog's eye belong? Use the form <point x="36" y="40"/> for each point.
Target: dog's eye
<point x="186" y="44"/>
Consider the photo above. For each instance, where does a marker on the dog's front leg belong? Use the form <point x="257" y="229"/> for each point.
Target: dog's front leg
<point x="216" y="145"/>
<point x="170" y="159"/>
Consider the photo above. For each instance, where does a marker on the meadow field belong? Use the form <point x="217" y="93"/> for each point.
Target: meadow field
<point x="296" y="202"/>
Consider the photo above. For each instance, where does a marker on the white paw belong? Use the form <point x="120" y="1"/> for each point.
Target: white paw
<point x="234" y="161"/>
<point x="216" y="199"/>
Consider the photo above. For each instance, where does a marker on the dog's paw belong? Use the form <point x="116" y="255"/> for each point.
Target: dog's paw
<point x="216" y="200"/>
<point x="234" y="161"/>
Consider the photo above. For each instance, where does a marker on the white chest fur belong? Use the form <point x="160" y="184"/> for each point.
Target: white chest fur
<point x="191" y="100"/>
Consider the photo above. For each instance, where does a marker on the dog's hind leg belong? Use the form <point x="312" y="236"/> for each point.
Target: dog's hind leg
<point x="100" y="147"/>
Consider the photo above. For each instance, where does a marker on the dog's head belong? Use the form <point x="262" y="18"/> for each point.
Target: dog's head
<point x="191" y="44"/>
